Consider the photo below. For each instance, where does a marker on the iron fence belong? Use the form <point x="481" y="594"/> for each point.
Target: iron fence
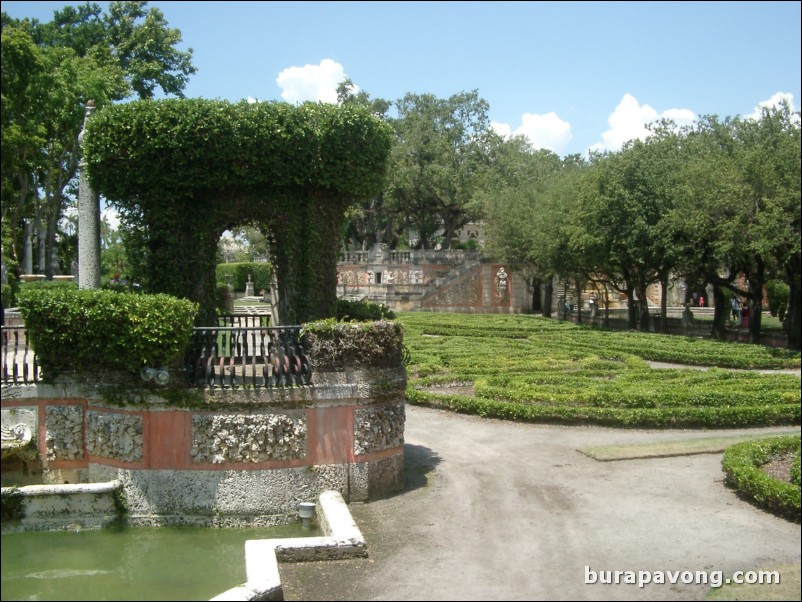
<point x="256" y="356"/>
<point x="246" y="353"/>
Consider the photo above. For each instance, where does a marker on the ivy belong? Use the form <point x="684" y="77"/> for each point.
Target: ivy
<point x="184" y="171"/>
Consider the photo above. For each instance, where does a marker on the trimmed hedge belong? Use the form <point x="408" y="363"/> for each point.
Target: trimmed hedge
<point x="260" y="274"/>
<point x="681" y="417"/>
<point x="97" y="330"/>
<point x="184" y="170"/>
<point x="534" y="369"/>
<point x="742" y="462"/>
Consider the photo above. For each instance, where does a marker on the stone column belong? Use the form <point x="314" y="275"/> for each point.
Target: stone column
<point x="88" y="222"/>
<point x="27" y="255"/>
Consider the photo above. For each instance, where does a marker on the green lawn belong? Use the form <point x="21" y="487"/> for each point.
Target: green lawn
<point x="526" y="367"/>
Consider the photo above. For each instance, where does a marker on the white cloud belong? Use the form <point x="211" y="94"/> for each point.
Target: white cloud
<point x="629" y="119"/>
<point x="542" y="131"/>
<point x="772" y="102"/>
<point x="681" y="117"/>
<point x="502" y="129"/>
<point x="317" y="83"/>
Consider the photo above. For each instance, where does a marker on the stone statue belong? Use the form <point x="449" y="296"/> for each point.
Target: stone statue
<point x="501" y="284"/>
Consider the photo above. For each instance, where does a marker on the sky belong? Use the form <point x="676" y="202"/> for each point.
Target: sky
<point x="570" y="76"/>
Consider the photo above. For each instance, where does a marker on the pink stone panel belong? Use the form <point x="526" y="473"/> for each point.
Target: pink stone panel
<point x="167" y="438"/>
<point x="330" y="435"/>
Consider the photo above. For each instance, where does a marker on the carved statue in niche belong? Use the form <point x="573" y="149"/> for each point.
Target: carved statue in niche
<point x="501" y="285"/>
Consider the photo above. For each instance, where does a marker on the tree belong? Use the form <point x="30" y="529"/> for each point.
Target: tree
<point x="515" y="197"/>
<point x="741" y="210"/>
<point x="768" y="210"/>
<point x="440" y="147"/>
<point x="50" y="71"/>
<point x="370" y="221"/>
<point x="630" y="193"/>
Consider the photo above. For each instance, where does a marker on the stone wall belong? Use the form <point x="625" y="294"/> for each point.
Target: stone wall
<point x="60" y="507"/>
<point x="232" y="437"/>
<point x="455" y="281"/>
<point x="64" y="428"/>
<point x="238" y="457"/>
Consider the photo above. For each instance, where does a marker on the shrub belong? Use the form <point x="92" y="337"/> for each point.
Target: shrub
<point x="360" y="311"/>
<point x="742" y="462"/>
<point x="260" y="274"/>
<point x="778" y="293"/>
<point x="82" y="330"/>
<point x="49" y="284"/>
<point x="534" y="369"/>
<point x="8" y="295"/>
<point x="221" y="298"/>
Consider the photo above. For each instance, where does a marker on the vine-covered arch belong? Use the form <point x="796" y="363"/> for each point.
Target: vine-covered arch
<point x="189" y="169"/>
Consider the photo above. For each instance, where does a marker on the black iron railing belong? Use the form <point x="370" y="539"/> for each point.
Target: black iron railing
<point x="230" y="356"/>
<point x="20" y="365"/>
<point x="243" y="354"/>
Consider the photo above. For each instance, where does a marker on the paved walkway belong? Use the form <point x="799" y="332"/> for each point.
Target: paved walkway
<point x="497" y="510"/>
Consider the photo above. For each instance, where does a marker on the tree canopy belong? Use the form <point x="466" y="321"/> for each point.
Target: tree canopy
<point x="49" y="72"/>
<point x="715" y="204"/>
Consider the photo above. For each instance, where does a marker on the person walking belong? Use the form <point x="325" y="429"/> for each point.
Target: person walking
<point x="736" y="311"/>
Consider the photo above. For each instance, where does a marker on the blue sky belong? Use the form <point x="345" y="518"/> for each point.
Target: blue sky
<point x="571" y="76"/>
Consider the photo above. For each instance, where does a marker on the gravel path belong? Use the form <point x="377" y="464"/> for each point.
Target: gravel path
<point x="498" y="510"/>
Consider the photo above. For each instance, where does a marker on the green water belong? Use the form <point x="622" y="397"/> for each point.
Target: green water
<point x="165" y="563"/>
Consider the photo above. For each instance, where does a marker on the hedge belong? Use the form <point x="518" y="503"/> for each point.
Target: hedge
<point x="534" y="369"/>
<point x="102" y="330"/>
<point x="260" y="274"/>
<point x="335" y="345"/>
<point x="742" y="462"/>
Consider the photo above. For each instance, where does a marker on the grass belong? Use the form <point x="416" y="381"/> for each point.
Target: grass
<point x="525" y="367"/>
<point x="663" y="449"/>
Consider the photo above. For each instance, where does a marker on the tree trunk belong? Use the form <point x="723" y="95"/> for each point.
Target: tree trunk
<point x="50" y="239"/>
<point x="663" y="303"/>
<point x="643" y="308"/>
<point x="755" y="305"/>
<point x="793" y="315"/>
<point x="41" y="240"/>
<point x="632" y="308"/>
<point x="720" y="312"/>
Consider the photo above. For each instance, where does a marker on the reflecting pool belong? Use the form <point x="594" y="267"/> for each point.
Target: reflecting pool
<point x="165" y="563"/>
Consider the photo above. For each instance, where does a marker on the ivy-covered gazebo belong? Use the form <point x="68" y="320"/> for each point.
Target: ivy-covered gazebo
<point x="183" y="171"/>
